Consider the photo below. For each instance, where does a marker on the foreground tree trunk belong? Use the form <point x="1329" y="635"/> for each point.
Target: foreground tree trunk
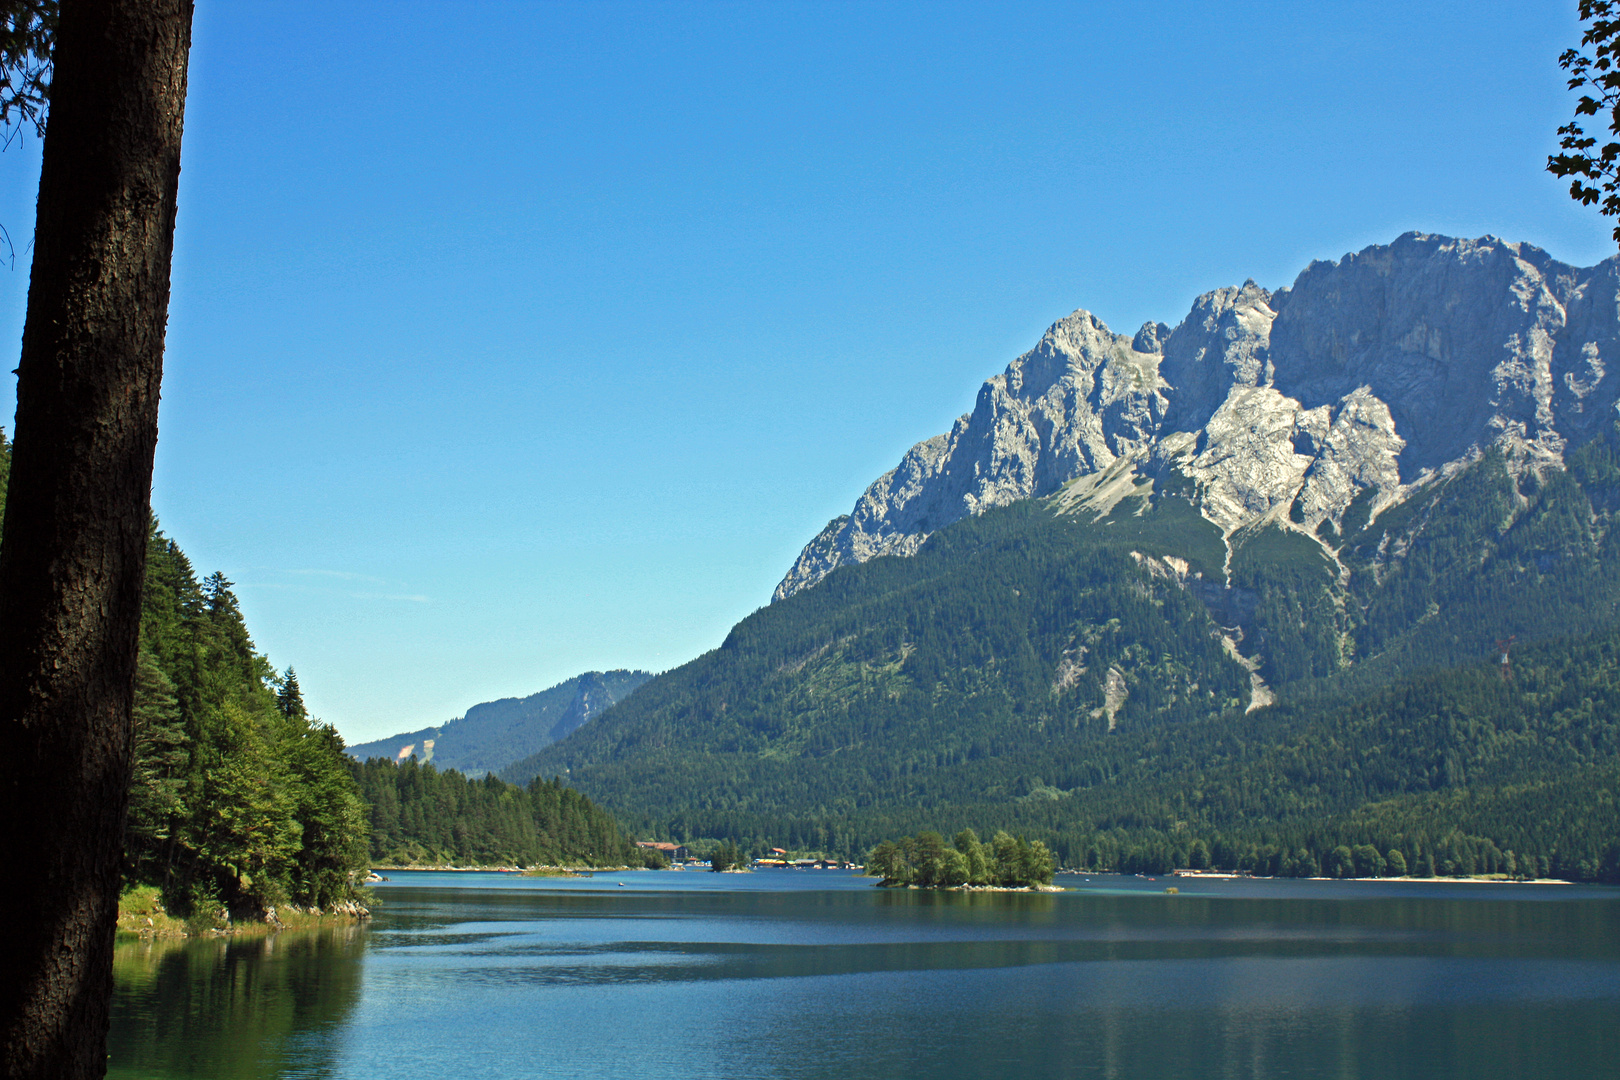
<point x="73" y="550"/>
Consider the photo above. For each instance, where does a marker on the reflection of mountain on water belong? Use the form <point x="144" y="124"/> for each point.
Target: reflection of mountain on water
<point x="226" y="1008"/>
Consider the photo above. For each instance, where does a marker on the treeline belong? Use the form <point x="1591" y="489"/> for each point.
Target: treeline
<point x="925" y="861"/>
<point x="1465" y="771"/>
<point x="1417" y="854"/>
<point x="419" y="815"/>
<point x="239" y="797"/>
<point x="240" y="800"/>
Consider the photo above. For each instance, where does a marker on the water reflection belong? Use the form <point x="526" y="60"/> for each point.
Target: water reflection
<point x="855" y="983"/>
<point x="1123" y="1042"/>
<point x="234" y="1007"/>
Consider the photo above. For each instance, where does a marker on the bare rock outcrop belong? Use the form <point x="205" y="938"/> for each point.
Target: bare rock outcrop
<point x="1074" y="404"/>
<point x="1378" y="372"/>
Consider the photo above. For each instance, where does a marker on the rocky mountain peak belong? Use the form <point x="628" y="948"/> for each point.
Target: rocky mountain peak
<point x="1225" y="341"/>
<point x="1380" y="371"/>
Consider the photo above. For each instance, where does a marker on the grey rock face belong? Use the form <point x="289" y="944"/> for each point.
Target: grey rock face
<point x="1456" y="336"/>
<point x="1079" y="400"/>
<point x="1223" y="343"/>
<point x="593" y="697"/>
<point x="1379" y="371"/>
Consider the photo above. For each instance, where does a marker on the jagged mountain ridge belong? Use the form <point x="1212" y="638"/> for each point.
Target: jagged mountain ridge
<point x="1378" y="373"/>
<point x="494" y="734"/>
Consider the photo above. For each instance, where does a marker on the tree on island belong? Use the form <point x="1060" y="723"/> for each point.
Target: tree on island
<point x="727" y="857"/>
<point x="927" y="862"/>
<point x="74" y="540"/>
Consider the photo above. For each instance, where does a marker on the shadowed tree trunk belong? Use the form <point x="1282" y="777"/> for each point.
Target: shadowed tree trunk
<point x="74" y="542"/>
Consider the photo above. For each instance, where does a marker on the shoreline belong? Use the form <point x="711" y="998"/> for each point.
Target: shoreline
<point x="237" y="929"/>
<point x="141" y="917"/>
<point x="1196" y="875"/>
<point x="529" y="871"/>
<point x="976" y="888"/>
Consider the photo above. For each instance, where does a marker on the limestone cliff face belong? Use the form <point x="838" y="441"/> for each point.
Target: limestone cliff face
<point x="592" y="698"/>
<point x="1074" y="404"/>
<point x="1375" y="373"/>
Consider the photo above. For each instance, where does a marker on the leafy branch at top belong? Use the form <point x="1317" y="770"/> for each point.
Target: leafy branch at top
<point x="1594" y="172"/>
<point x="27" y="40"/>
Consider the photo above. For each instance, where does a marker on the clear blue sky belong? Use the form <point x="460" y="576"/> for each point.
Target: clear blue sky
<point x="512" y="340"/>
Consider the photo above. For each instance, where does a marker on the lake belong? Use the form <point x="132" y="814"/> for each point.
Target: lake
<point x="811" y="974"/>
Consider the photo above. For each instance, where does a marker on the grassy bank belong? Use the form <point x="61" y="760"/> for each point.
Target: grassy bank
<point x="141" y="915"/>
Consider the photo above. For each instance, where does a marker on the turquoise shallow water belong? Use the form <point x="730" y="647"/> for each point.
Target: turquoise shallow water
<point x="818" y="974"/>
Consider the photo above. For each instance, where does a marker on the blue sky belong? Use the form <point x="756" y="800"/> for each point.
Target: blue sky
<point x="540" y="340"/>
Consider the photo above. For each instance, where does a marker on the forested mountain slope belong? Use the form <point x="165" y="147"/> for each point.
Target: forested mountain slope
<point x="1041" y="667"/>
<point x="495" y="734"/>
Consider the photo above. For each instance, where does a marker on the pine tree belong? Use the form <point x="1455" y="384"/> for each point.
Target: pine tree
<point x="157" y="804"/>
<point x="288" y="699"/>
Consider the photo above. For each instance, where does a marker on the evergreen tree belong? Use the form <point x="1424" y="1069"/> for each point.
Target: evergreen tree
<point x="289" y="699"/>
<point x="157" y="786"/>
<point x="241" y="799"/>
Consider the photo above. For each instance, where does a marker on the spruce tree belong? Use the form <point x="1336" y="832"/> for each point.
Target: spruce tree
<point x="288" y="699"/>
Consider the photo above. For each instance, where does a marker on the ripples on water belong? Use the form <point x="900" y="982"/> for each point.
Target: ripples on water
<point x="817" y="974"/>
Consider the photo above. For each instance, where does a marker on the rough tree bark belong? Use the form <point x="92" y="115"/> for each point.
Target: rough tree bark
<point x="74" y="544"/>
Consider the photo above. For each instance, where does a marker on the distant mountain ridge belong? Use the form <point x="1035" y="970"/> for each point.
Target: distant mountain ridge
<point x="1378" y="373"/>
<point x="494" y="734"/>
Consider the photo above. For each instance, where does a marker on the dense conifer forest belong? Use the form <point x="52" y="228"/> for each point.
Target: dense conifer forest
<point x="239" y="797"/>
<point x="241" y="801"/>
<point x="1066" y="678"/>
<point x="419" y="815"/>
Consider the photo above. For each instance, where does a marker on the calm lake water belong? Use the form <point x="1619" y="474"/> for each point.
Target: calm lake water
<point x="809" y="974"/>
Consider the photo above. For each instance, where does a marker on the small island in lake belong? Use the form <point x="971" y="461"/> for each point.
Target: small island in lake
<point x="925" y="861"/>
